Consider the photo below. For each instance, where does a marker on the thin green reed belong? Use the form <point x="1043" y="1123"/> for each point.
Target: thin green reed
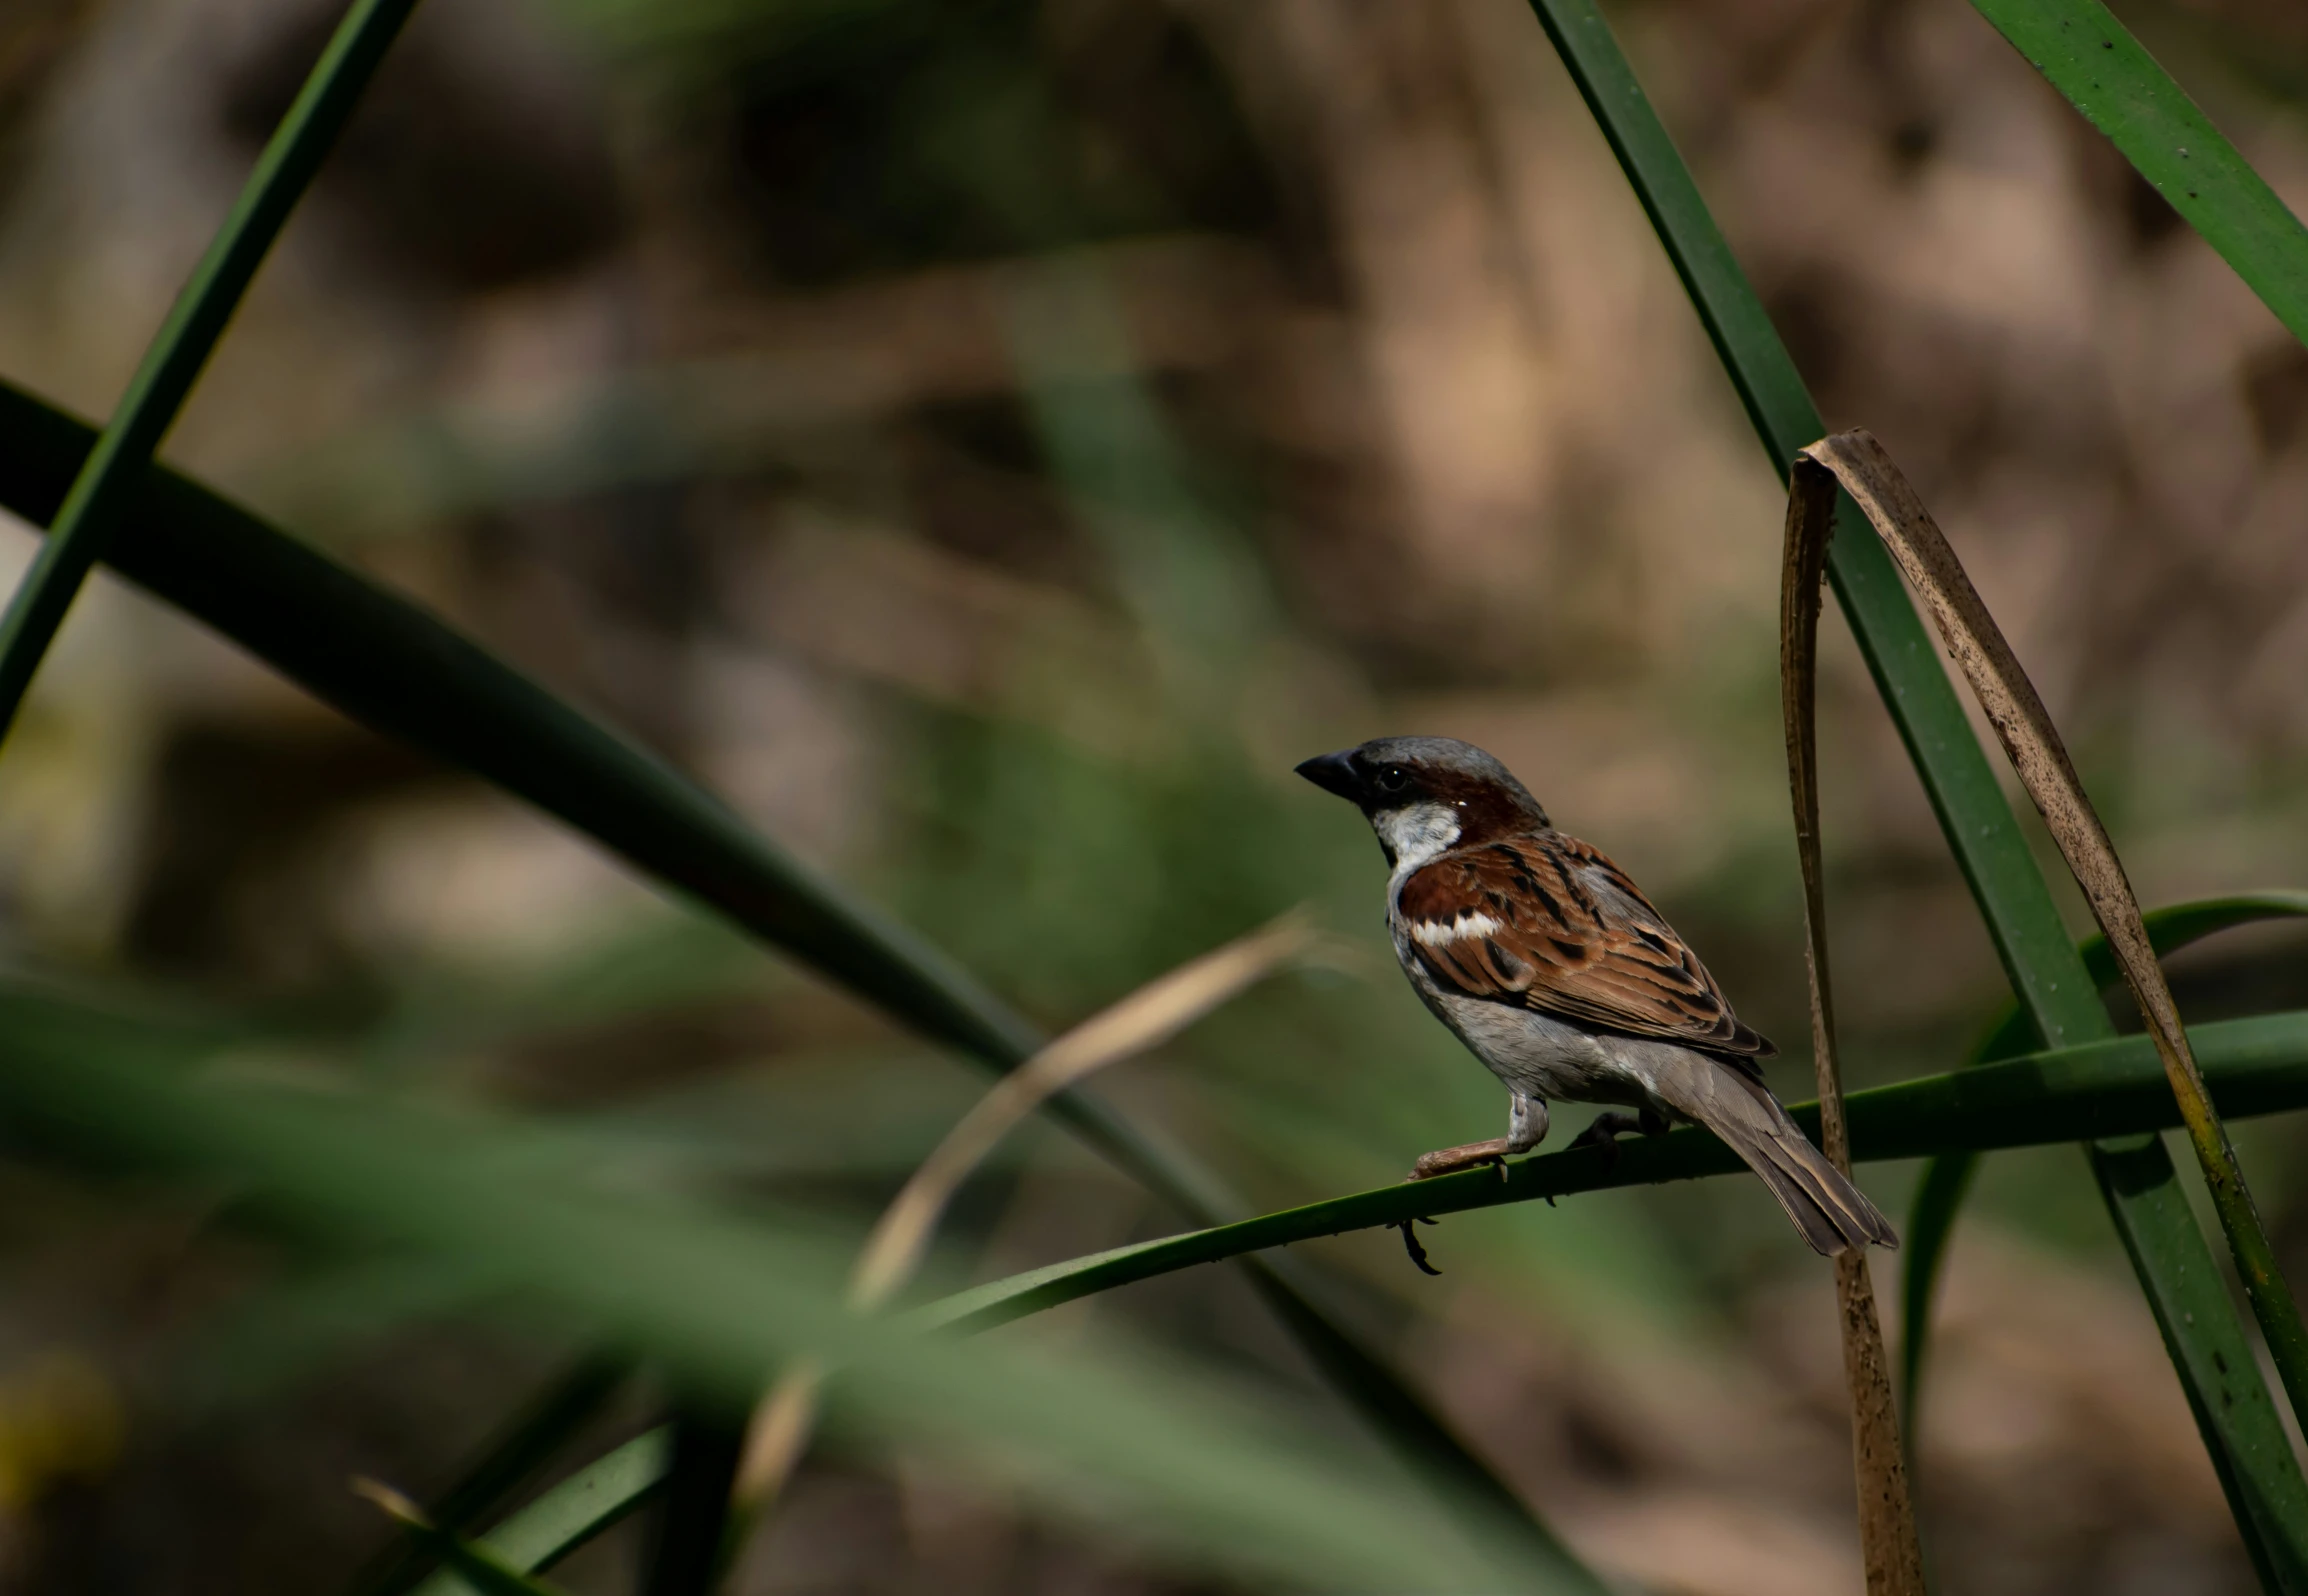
<point x="173" y="362"/>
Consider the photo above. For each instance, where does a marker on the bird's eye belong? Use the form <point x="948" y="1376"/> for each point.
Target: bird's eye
<point x="1392" y="779"/>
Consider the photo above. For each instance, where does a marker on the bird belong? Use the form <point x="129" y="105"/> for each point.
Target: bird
<point x="1547" y="961"/>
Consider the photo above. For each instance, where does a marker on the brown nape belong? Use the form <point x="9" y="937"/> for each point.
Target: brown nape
<point x="1487" y="811"/>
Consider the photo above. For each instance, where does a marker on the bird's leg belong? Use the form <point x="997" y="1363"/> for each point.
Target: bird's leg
<point x="1450" y="1160"/>
<point x="1526" y="1128"/>
<point x="1526" y="1122"/>
<point x="1604" y="1133"/>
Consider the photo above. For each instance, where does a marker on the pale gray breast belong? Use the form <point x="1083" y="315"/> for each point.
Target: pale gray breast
<point x="1539" y="1054"/>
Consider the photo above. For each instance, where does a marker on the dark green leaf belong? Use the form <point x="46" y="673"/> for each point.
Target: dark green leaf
<point x="582" y="1506"/>
<point x="2105" y="73"/>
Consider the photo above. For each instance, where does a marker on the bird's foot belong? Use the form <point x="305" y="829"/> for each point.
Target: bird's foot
<point x="1450" y="1160"/>
<point x="1411" y="1246"/>
<point x="1604" y="1133"/>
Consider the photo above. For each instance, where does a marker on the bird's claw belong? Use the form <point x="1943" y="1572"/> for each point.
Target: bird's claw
<point x="1604" y="1133"/>
<point x="1410" y="1245"/>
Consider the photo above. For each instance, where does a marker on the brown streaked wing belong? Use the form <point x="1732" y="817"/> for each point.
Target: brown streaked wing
<point x="1548" y="922"/>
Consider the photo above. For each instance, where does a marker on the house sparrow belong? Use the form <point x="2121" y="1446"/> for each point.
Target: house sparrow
<point x="1555" y="971"/>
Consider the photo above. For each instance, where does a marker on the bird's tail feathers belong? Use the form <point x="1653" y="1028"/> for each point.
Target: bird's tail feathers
<point x="1832" y="1213"/>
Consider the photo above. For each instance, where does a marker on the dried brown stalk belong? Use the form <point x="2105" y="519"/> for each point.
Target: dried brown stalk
<point x="1889" y="1547"/>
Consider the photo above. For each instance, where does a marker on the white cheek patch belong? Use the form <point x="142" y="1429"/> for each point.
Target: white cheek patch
<point x="1417" y="833"/>
<point x="1437" y="933"/>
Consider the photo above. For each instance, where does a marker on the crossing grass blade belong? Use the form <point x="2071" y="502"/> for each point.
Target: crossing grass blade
<point x="2105" y="73"/>
<point x="386" y="663"/>
<point x="532" y="1437"/>
<point x="2210" y="1351"/>
<point x="476" y="1566"/>
<point x="588" y="1503"/>
<point x="108" y="480"/>
<point x="1947" y="1178"/>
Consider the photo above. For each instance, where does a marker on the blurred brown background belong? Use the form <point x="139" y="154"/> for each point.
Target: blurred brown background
<point x="991" y="442"/>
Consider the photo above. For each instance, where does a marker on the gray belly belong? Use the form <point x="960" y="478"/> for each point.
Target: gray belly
<point x="1539" y="1056"/>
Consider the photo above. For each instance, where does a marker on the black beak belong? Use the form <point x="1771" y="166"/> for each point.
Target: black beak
<point x="1334" y="773"/>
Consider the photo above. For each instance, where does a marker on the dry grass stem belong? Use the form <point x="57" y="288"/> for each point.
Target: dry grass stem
<point x="1889" y="1544"/>
<point x="397" y="1505"/>
<point x="781" y="1424"/>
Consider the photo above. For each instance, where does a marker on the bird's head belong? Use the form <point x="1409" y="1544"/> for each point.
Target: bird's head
<point x="1423" y="795"/>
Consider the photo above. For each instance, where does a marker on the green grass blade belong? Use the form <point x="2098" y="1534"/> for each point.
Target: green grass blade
<point x="476" y="1567"/>
<point x="2169" y="930"/>
<point x="2167" y="1249"/>
<point x="2257" y="1469"/>
<point x="388" y="664"/>
<point x="482" y="1573"/>
<point x="594" y="1499"/>
<point x="2218" y="1367"/>
<point x="2106" y="74"/>
<point x="533" y="1436"/>
<point x="105" y="484"/>
<point x="2110" y="1088"/>
<point x="1939" y="1195"/>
